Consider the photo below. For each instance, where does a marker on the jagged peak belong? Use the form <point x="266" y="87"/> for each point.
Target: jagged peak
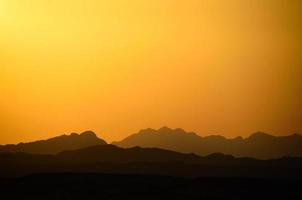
<point x="163" y="130"/>
<point x="147" y="130"/>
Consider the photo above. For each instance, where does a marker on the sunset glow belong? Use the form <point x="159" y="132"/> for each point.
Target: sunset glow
<point x="115" y="67"/>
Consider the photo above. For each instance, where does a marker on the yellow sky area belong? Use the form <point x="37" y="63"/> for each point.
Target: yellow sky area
<point x="210" y="66"/>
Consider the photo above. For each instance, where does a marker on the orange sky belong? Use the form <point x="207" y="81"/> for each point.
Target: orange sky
<point x="210" y="66"/>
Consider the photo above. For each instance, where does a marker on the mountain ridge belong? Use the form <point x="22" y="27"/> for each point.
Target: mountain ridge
<point x="258" y="145"/>
<point x="56" y="144"/>
<point x="137" y="160"/>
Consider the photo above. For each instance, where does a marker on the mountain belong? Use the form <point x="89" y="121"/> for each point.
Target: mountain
<point x="111" y="153"/>
<point x="136" y="160"/>
<point x="56" y="144"/>
<point x="258" y="145"/>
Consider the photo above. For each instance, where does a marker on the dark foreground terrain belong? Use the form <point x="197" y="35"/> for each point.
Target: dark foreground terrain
<point x="106" y="186"/>
<point x="110" y="159"/>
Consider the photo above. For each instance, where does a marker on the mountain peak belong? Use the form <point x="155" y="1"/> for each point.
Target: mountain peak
<point x="56" y="144"/>
<point x="147" y="130"/>
<point x="74" y="134"/>
<point x="238" y="138"/>
<point x="164" y="129"/>
<point x="260" y="135"/>
<point x="258" y="145"/>
<point x="88" y="133"/>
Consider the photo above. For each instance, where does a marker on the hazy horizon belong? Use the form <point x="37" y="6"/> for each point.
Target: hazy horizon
<point x="101" y="135"/>
<point x="212" y="67"/>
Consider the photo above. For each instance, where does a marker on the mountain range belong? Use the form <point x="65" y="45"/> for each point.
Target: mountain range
<point x="86" y="153"/>
<point x="259" y="145"/>
<point x="56" y="144"/>
<point x="137" y="160"/>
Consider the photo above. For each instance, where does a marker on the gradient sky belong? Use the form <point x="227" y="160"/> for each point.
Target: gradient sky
<point x="210" y="66"/>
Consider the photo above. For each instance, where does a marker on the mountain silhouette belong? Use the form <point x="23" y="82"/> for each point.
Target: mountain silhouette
<point x="111" y="153"/>
<point x="137" y="160"/>
<point x="56" y="144"/>
<point x="258" y="145"/>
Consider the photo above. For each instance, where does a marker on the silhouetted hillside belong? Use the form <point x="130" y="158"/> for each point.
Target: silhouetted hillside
<point x="112" y="159"/>
<point x="111" y="153"/>
<point x="258" y="145"/>
<point x="56" y="144"/>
